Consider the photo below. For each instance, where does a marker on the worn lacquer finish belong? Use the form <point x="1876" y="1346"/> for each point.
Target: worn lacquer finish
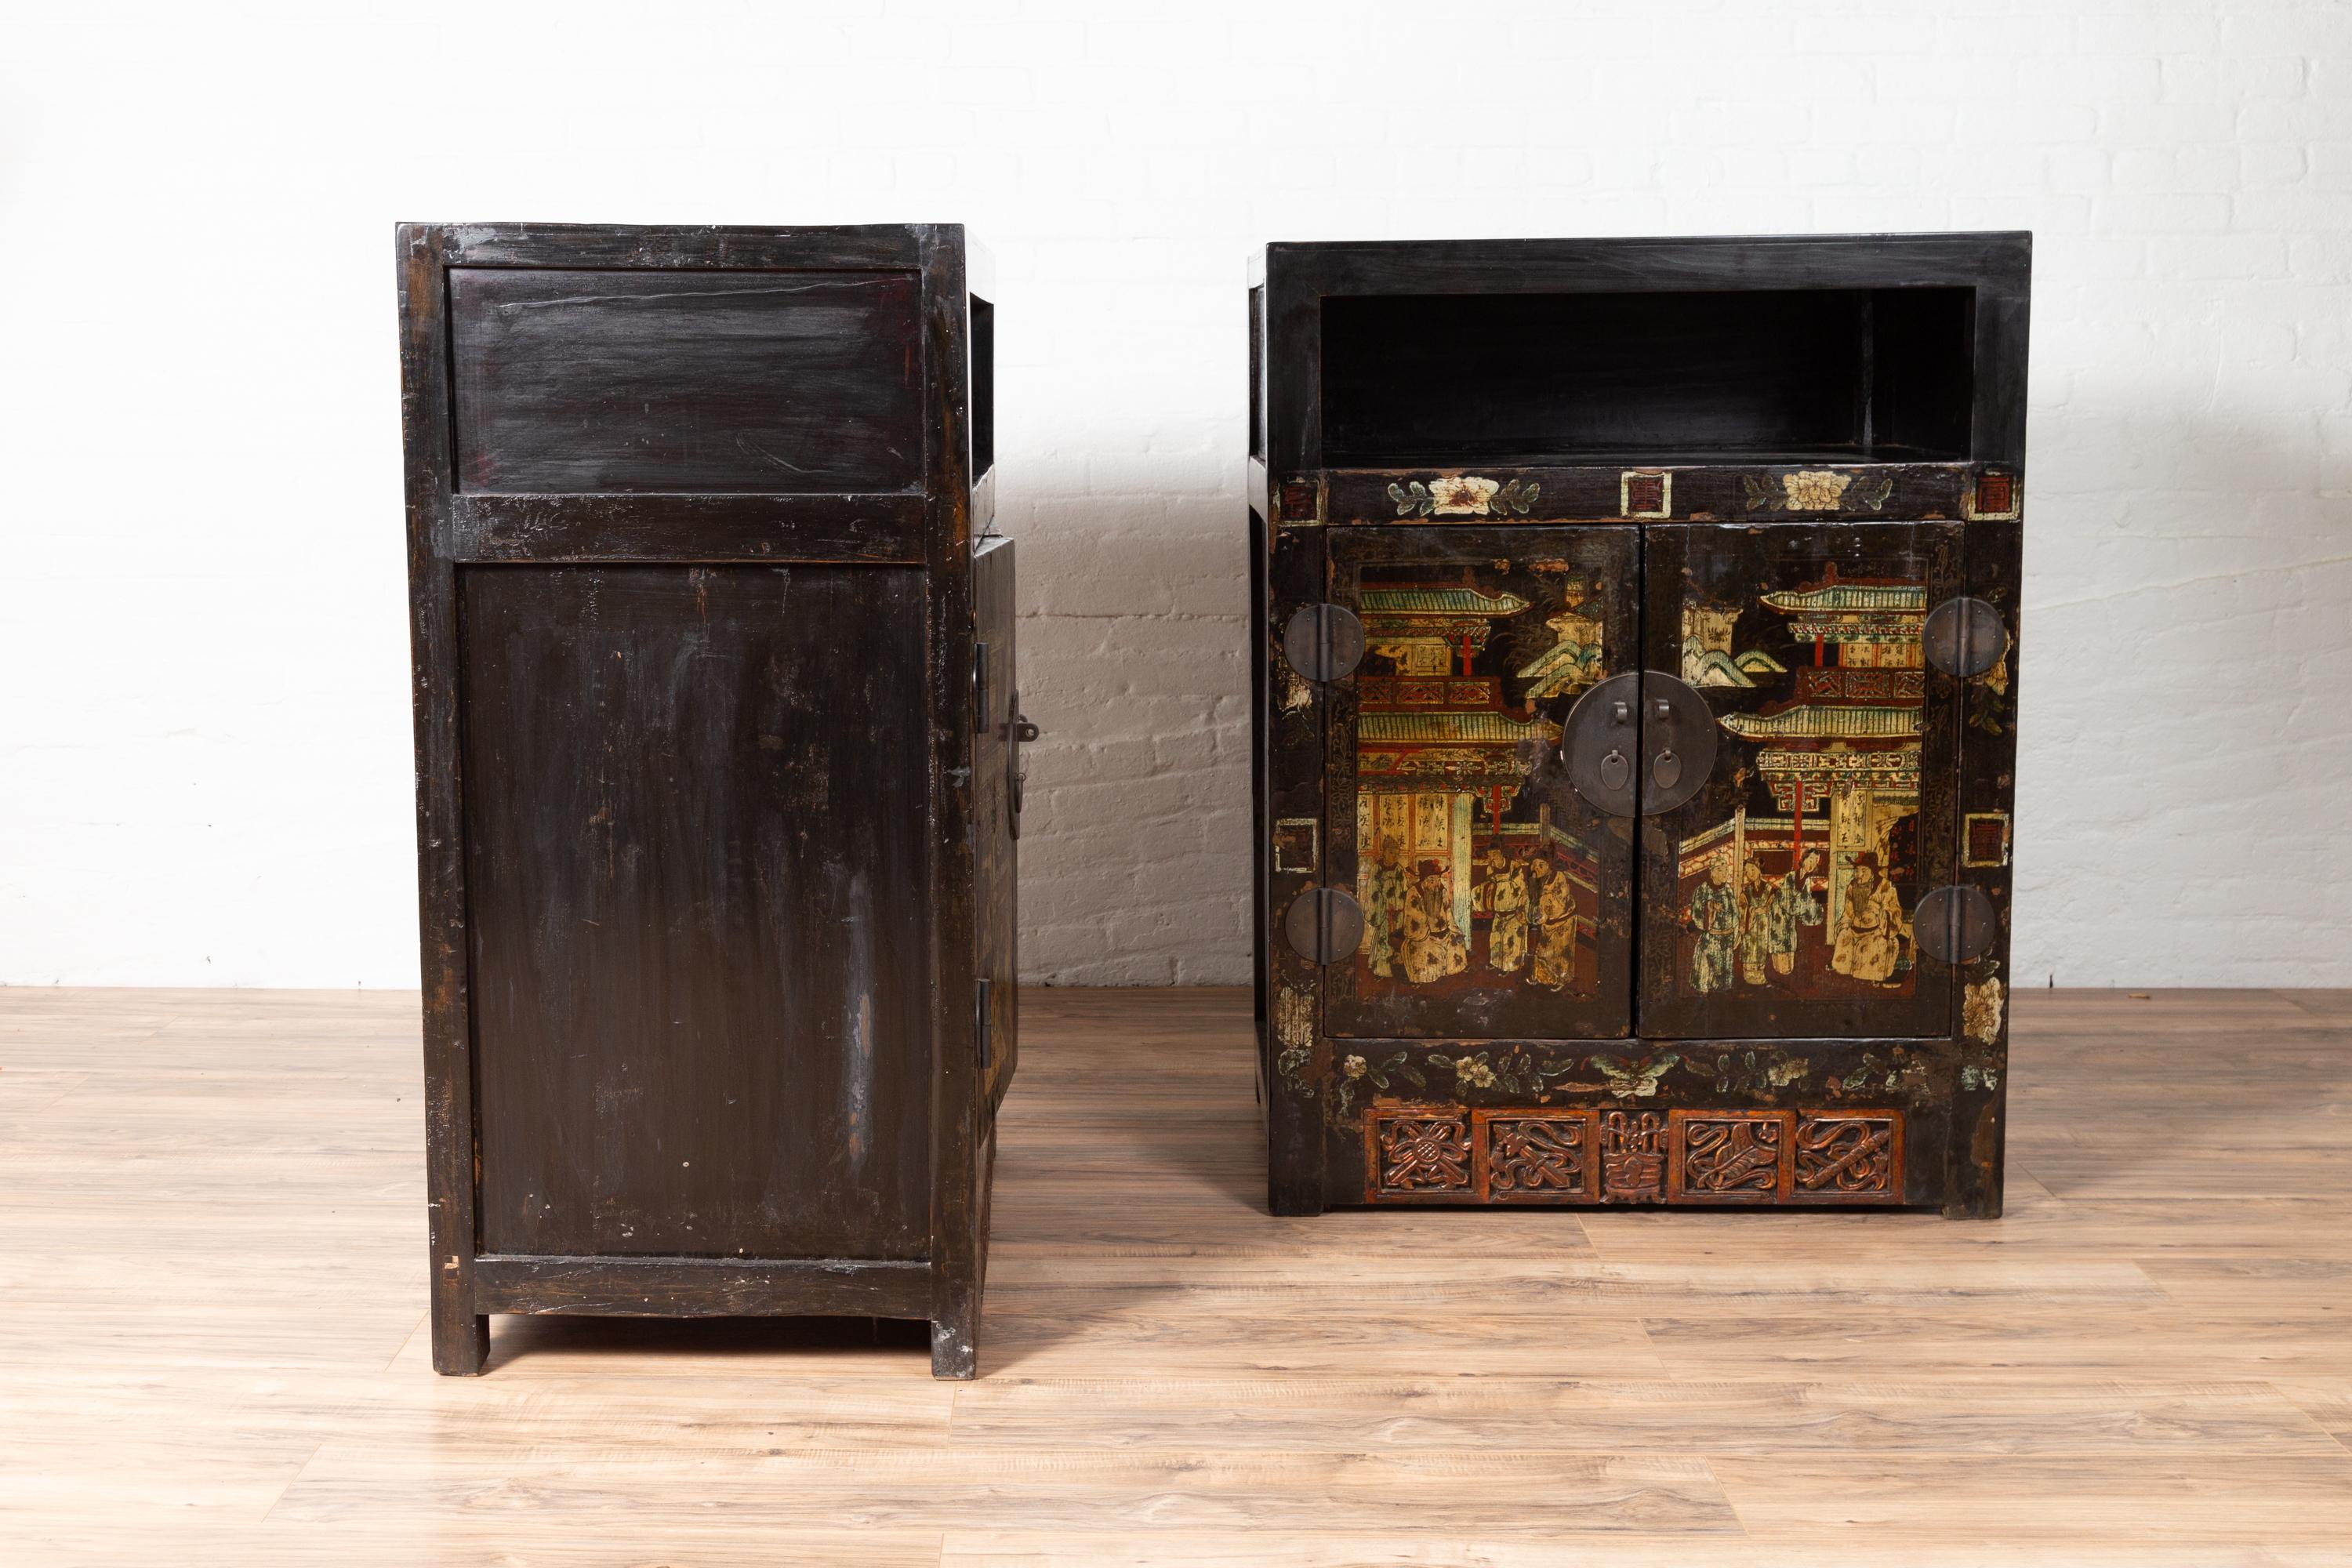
<point x="1752" y="468"/>
<point x="715" y="807"/>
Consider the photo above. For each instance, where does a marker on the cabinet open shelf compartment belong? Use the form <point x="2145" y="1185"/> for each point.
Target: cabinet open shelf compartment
<point x="1779" y="375"/>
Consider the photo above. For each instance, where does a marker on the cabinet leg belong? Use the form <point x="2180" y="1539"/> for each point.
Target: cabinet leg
<point x="1286" y="1199"/>
<point x="955" y="1342"/>
<point x="461" y="1344"/>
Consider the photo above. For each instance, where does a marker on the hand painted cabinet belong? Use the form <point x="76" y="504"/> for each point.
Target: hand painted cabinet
<point x="1635" y="696"/>
<point x="717" y="770"/>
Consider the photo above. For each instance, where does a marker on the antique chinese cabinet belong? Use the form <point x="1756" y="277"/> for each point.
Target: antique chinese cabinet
<point x="1635" y="696"/>
<point x="717" y="760"/>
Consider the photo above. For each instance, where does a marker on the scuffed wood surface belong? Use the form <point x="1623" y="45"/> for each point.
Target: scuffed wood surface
<point x="216" y="1351"/>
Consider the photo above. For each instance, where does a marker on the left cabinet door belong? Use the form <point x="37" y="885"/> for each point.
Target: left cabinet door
<point x="1496" y="902"/>
<point x="695" y="841"/>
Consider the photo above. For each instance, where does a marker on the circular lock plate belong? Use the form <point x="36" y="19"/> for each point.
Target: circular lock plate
<point x="1679" y="743"/>
<point x="1601" y="744"/>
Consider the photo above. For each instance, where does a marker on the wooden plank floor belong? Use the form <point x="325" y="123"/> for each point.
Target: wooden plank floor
<point x="213" y="1348"/>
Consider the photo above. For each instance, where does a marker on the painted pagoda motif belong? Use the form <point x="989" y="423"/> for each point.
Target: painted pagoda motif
<point x="1465" y="885"/>
<point x="1806" y="889"/>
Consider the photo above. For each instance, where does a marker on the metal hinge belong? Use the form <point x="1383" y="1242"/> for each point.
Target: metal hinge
<point x="1955" y="924"/>
<point x="1324" y="925"/>
<point x="1323" y="642"/>
<point x="1963" y="637"/>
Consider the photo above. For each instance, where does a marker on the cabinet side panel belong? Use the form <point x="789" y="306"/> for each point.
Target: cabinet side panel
<point x="996" y="846"/>
<point x="1296" y="1055"/>
<point x="695" y="847"/>
<point x="1987" y="796"/>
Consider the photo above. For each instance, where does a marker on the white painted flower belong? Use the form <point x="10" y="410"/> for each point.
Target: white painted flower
<point x="1815" y="489"/>
<point x="1355" y="1066"/>
<point x="1461" y="496"/>
<point x="1474" y="1072"/>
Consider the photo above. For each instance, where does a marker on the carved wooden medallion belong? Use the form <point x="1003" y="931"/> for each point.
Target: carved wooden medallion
<point x="1848" y="1157"/>
<point x="1534" y="1157"/>
<point x="1730" y="1156"/>
<point x="1418" y="1151"/>
<point x="1633" y="1156"/>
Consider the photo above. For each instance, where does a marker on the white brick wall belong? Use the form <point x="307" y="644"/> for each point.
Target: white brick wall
<point x="205" y="770"/>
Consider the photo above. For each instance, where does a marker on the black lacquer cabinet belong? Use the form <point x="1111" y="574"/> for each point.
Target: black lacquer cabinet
<point x="1636" y="717"/>
<point x="717" y="760"/>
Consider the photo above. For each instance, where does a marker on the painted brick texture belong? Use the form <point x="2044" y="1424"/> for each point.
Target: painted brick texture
<point x="207" y="777"/>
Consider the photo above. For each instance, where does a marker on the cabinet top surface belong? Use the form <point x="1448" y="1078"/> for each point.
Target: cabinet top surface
<point x="1656" y="260"/>
<point x="752" y="247"/>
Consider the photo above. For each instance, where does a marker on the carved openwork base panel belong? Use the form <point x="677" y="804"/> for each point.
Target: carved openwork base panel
<point x="1549" y="1154"/>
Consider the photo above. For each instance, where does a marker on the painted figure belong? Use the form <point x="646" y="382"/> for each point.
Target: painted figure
<point x="1790" y="905"/>
<point x="1769" y="914"/>
<point x="1506" y="900"/>
<point x="1750" y="943"/>
<point x="1433" y="948"/>
<point x="1714" y="914"/>
<point x="1872" y="928"/>
<point x="1555" y="926"/>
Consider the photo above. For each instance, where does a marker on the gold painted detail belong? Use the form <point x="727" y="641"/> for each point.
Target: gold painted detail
<point x="1293" y="1031"/>
<point x="1981" y="1011"/>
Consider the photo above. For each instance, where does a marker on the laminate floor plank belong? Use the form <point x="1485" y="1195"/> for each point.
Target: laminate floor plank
<point x="212" y="1348"/>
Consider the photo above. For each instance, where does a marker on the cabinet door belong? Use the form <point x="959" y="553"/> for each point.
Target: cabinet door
<point x="1777" y="902"/>
<point x="696" y="845"/>
<point x="1497" y="903"/>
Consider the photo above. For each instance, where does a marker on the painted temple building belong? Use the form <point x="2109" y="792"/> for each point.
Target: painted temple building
<point x="1840" y="754"/>
<point x="1440" y="754"/>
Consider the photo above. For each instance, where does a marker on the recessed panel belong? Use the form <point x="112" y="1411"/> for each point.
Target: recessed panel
<point x="696" y="869"/>
<point x="692" y="382"/>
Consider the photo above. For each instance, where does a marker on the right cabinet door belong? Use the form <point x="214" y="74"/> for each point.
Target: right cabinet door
<point x="1777" y="904"/>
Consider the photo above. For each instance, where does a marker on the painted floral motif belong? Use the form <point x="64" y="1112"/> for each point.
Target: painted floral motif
<point x="1814" y="490"/>
<point x="1981" y="1011"/>
<point x="1739" y="1072"/>
<point x="1463" y="495"/>
<point x="1473" y="1072"/>
<point x="1817" y="489"/>
<point x="1297" y="697"/>
<point x="1383" y="1074"/>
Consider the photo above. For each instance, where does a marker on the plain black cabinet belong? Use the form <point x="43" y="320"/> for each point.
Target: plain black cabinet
<point x="717" y="771"/>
